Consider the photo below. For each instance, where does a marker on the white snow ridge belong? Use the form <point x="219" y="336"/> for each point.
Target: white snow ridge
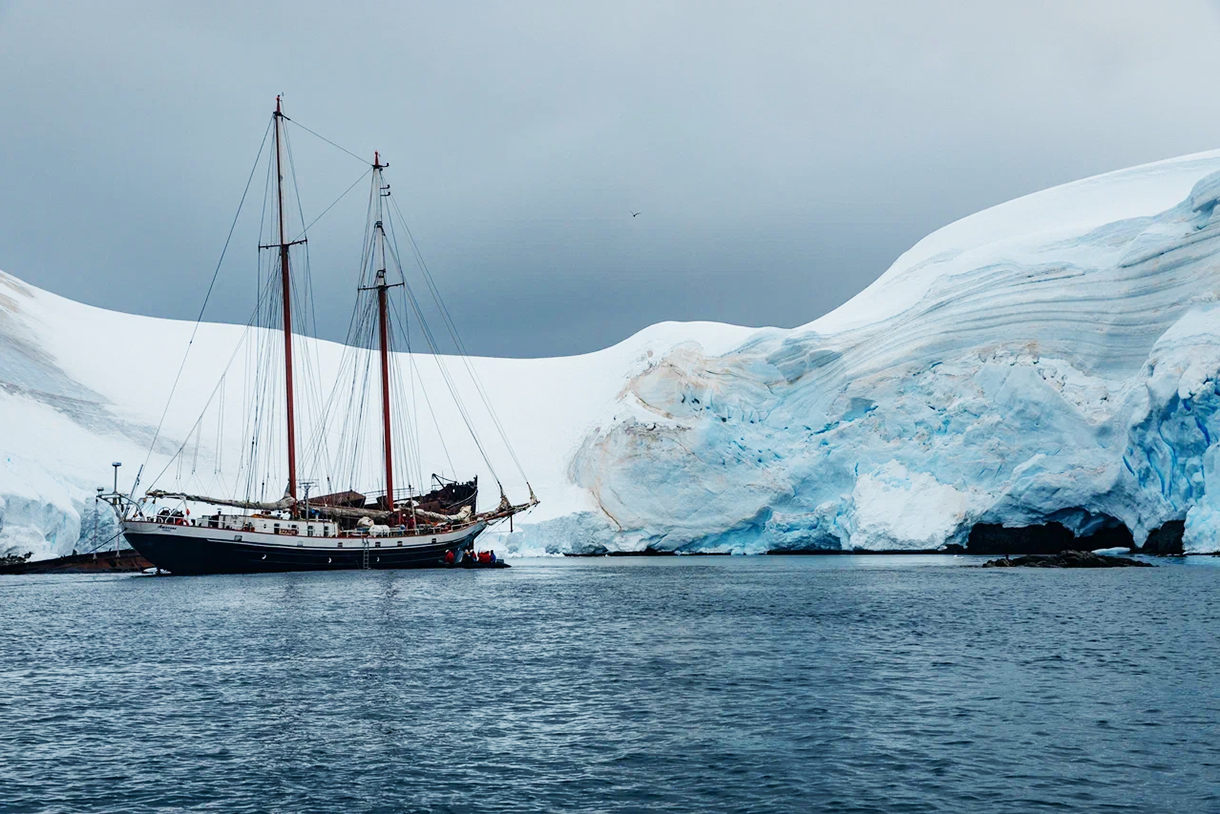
<point x="1054" y="358"/>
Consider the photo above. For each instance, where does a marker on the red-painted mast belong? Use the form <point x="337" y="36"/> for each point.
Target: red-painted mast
<point x="286" y="285"/>
<point x="380" y="285"/>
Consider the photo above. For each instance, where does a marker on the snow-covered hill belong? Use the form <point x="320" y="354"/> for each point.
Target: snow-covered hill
<point x="81" y="387"/>
<point x="1052" y="358"/>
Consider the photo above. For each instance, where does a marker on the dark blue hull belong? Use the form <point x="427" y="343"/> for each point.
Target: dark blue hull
<point x="199" y="555"/>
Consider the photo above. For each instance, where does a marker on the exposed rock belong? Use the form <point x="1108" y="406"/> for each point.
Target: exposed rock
<point x="1049" y="538"/>
<point x="1167" y="539"/>
<point x="15" y="559"/>
<point x="1068" y="559"/>
<point x="125" y="560"/>
<point x="986" y="538"/>
<point x="649" y="551"/>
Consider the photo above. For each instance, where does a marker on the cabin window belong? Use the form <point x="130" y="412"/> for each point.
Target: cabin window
<point x="340" y="544"/>
<point x="309" y="530"/>
<point x="277" y="528"/>
<point x="326" y="531"/>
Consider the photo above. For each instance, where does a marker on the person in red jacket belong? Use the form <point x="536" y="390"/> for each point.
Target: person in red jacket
<point x="449" y="558"/>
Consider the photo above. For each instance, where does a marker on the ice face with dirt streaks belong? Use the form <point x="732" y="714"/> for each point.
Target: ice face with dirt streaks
<point x="1052" y="359"/>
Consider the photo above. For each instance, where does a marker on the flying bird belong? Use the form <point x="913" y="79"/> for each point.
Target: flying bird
<point x="635" y="214"/>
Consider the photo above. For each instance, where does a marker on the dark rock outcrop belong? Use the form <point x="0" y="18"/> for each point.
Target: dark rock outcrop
<point x="1068" y="559"/>
<point x="124" y="560"/>
<point x="1167" y="539"/>
<point x="988" y="538"/>
<point x="602" y="551"/>
<point x="1049" y="538"/>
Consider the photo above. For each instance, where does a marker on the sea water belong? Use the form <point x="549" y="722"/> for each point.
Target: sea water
<point x="875" y="683"/>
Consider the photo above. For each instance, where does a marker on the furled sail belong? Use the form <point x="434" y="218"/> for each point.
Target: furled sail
<point x="283" y="504"/>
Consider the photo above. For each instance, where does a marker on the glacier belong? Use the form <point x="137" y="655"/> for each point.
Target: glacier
<point x="1053" y="359"/>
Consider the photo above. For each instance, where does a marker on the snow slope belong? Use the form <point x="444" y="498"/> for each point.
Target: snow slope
<point x="81" y="387"/>
<point x="1051" y="358"/>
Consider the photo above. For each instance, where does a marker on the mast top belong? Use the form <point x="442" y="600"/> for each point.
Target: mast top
<point x="377" y="165"/>
<point x="278" y="109"/>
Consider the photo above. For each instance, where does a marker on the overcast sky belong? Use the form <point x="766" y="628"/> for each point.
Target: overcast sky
<point x="781" y="155"/>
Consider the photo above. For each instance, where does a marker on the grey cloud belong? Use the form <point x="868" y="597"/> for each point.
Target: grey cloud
<point x="782" y="155"/>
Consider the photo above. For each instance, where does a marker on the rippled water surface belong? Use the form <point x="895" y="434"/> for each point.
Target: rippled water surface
<point x="699" y="684"/>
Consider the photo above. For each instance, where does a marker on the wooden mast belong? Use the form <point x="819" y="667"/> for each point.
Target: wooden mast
<point x="286" y="285"/>
<point x="383" y="326"/>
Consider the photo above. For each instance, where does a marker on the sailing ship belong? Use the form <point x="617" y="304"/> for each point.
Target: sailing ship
<point x="345" y="528"/>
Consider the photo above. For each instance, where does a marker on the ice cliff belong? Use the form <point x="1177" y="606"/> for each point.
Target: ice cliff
<point x="1051" y="359"/>
<point x="1054" y="358"/>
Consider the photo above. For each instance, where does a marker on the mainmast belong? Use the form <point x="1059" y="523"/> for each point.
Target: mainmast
<point x="286" y="285"/>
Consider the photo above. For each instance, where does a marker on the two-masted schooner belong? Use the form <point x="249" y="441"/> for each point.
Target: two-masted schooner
<point x="344" y="529"/>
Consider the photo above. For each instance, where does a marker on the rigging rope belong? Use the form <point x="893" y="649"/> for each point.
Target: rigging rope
<point x="98" y="547"/>
<point x="332" y="206"/>
<point x="447" y="318"/>
<point x="328" y="141"/>
<point x="262" y="422"/>
<point x="312" y="404"/>
<point x="453" y="390"/>
<point x="203" y="308"/>
<point x="219" y="385"/>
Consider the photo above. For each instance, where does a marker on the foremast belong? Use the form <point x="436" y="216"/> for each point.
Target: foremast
<point x="286" y="286"/>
